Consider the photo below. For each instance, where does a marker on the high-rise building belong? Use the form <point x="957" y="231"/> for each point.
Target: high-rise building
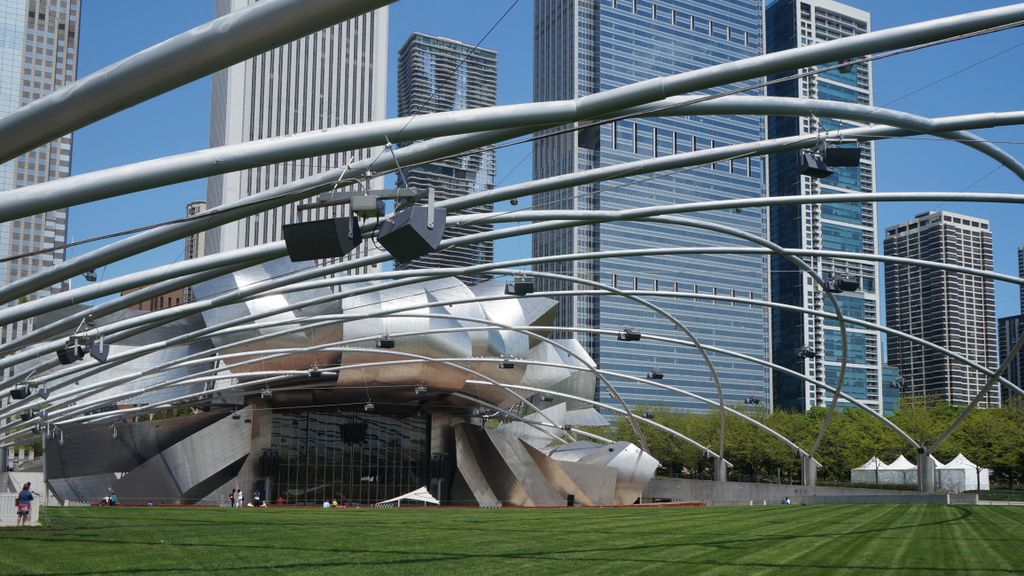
<point x="1020" y="272"/>
<point x="330" y="78"/>
<point x="194" y="248"/>
<point x="951" y="309"/>
<point x="1010" y="329"/>
<point x="801" y="342"/>
<point x="195" y="245"/>
<point x="586" y="47"/>
<point x="438" y="75"/>
<point x="38" y="55"/>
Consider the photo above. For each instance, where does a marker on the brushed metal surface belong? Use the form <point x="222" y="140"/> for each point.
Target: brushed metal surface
<point x="634" y="468"/>
<point x="179" y="472"/>
<point x="311" y="336"/>
<point x="530" y="487"/>
<point x="467" y="446"/>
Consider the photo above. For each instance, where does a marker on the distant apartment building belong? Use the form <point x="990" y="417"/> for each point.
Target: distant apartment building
<point x="951" y="309"/>
<point x="1010" y="329"/>
<point x="194" y="248"/>
<point x="438" y="75"/>
<point x="333" y="77"/>
<point x="38" y="56"/>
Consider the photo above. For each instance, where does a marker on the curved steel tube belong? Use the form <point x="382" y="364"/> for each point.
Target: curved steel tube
<point x="168" y="170"/>
<point x="174" y="62"/>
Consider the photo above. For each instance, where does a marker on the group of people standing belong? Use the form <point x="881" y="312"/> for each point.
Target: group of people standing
<point x="237" y="500"/>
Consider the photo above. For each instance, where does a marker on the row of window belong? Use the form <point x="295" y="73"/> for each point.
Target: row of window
<point x="690" y="22"/>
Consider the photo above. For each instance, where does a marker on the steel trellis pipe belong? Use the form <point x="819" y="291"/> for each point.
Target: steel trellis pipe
<point x="437" y="148"/>
<point x="174" y="62"/>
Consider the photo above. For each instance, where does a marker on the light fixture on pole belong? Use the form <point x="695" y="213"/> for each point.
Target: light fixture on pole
<point x="819" y="162"/>
<point x="838" y="283"/>
<point x="519" y="286"/>
<point x="629" y="334"/>
<point x="807" y="352"/>
<point x="20" y="393"/>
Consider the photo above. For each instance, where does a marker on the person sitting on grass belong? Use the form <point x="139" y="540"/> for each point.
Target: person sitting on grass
<point x="24" y="504"/>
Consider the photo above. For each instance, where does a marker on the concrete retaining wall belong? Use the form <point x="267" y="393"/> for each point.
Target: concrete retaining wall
<point x="880" y="499"/>
<point x="678" y="490"/>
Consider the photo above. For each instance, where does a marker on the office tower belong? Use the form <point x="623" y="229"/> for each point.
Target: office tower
<point x="1020" y="272"/>
<point x="438" y="75"/>
<point x="811" y="345"/>
<point x="39" y="55"/>
<point x="950" y="309"/>
<point x="586" y="47"/>
<point x="1010" y="329"/>
<point x="330" y="78"/>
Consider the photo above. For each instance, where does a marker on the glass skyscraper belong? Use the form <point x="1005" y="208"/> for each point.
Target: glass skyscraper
<point x="584" y="47"/>
<point x="38" y="55"/>
<point x="438" y="75"/>
<point x="808" y="344"/>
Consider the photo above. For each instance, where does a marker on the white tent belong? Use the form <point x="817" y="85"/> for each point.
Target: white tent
<point x="418" y="495"/>
<point x="974" y="477"/>
<point x="900" y="471"/>
<point x="867" y="473"/>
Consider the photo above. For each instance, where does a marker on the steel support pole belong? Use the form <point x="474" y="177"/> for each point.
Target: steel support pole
<point x="721" y="469"/>
<point x="808" y="471"/>
<point x="925" y="471"/>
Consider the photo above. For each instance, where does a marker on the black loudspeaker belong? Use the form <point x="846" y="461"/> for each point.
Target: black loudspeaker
<point x="331" y="238"/>
<point x="570" y="500"/>
<point x="20" y="393"/>
<point x="843" y="157"/>
<point x="68" y="354"/>
<point x="406" y="236"/>
<point x="814" y="166"/>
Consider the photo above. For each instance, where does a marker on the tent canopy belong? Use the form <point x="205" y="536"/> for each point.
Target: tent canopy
<point x="419" y="495"/>
<point x="901" y="463"/>
<point x="961" y="461"/>
<point x="873" y="464"/>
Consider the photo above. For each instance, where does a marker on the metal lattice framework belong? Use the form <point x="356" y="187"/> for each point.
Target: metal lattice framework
<point x="219" y="44"/>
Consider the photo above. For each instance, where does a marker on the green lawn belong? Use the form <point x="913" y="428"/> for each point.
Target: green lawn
<point x="829" y="540"/>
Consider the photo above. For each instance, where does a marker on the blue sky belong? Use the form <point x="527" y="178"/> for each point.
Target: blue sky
<point x="178" y="121"/>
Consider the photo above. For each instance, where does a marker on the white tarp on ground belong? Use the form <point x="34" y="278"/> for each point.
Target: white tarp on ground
<point x="418" y="495"/>
<point x="974" y="477"/>
<point x="867" y="473"/>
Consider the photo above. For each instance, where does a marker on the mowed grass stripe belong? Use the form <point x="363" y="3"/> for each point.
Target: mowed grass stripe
<point x="750" y="541"/>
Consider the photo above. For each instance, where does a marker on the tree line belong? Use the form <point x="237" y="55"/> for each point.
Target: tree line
<point x="992" y="438"/>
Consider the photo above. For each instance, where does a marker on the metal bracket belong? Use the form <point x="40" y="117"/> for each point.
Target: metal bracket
<point x="430" y="207"/>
